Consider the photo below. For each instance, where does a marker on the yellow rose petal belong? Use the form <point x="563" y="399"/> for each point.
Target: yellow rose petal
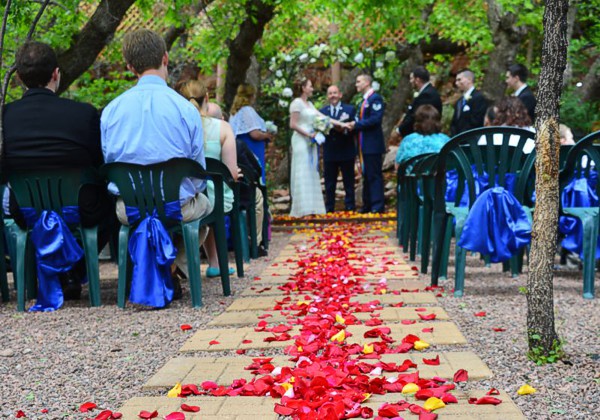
<point x="526" y="390"/>
<point x="410" y="388"/>
<point x="420" y="345"/>
<point x="339" y="337"/>
<point x="367" y="396"/>
<point x="339" y="319"/>
<point x="368" y="348"/>
<point x="433" y="404"/>
<point x="175" y="391"/>
<point x="287" y="385"/>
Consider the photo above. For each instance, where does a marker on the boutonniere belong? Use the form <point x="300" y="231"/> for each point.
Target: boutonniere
<point x="467" y="98"/>
<point x="415" y="95"/>
<point x="344" y="117"/>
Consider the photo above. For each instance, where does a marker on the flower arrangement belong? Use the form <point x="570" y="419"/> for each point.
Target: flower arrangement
<point x="321" y="126"/>
<point x="271" y="127"/>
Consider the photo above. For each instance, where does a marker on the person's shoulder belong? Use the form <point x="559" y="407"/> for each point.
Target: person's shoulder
<point x="412" y="136"/>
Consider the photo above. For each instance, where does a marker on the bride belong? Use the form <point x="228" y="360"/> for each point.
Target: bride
<point x="305" y="182"/>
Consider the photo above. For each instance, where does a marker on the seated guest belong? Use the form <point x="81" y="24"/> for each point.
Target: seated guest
<point x="510" y="112"/>
<point x="248" y="159"/>
<point x="247" y="124"/>
<point x="566" y="135"/>
<point x="151" y="123"/>
<point x="44" y="131"/>
<point x="427" y="137"/>
<point x="219" y="143"/>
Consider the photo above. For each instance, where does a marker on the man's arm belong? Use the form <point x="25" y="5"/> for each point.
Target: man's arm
<point x="478" y="109"/>
<point x="375" y="116"/>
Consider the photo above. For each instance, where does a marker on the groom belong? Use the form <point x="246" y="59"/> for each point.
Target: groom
<point x="371" y="145"/>
<point x="339" y="151"/>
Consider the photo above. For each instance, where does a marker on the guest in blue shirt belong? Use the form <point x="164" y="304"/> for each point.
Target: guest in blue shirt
<point x="151" y="123"/>
<point x="427" y="137"/>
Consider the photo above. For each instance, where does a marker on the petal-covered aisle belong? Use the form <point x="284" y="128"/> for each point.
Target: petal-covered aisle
<point x="339" y="326"/>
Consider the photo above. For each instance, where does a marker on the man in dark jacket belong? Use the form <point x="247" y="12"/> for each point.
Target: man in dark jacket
<point x="425" y="94"/>
<point x="516" y="79"/>
<point x="44" y="131"/>
<point x="469" y="110"/>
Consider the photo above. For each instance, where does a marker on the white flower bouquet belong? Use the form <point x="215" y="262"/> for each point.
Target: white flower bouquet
<point x="271" y="127"/>
<point x="321" y="126"/>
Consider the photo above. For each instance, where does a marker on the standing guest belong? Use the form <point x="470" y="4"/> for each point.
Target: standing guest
<point x="151" y="123"/>
<point x="425" y="94"/>
<point x="371" y="144"/>
<point x="516" y="79"/>
<point x="469" y="110"/>
<point x="247" y="125"/>
<point x="427" y="137"/>
<point x="339" y="151"/>
<point x="44" y="131"/>
<point x="219" y="143"/>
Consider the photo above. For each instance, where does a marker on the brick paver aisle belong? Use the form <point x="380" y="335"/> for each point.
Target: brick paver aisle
<point x="391" y="299"/>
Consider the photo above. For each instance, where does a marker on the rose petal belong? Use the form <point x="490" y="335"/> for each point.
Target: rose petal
<point x="499" y="329"/>
<point x="432" y="362"/>
<point x="104" y="415"/>
<point x="20" y="414"/>
<point x="190" y="408"/>
<point x="116" y="415"/>
<point x="482" y="313"/>
<point x="213" y="342"/>
<point x="88" y="406"/>
<point x="147" y="414"/>
<point x="485" y="400"/>
<point x="283" y="410"/>
<point x="185" y="327"/>
<point x="175" y="416"/>
<point x="461" y="375"/>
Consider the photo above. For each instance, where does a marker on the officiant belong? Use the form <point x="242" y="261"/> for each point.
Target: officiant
<point x="339" y="151"/>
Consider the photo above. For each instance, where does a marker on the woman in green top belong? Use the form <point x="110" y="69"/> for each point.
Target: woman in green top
<point x="219" y="143"/>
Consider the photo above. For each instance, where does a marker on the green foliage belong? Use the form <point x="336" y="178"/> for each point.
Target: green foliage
<point x="100" y="91"/>
<point x="538" y="355"/>
<point x="581" y="117"/>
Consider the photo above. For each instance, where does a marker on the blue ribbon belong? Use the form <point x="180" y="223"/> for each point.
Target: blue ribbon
<point x="56" y="251"/>
<point x="496" y="225"/>
<point x="152" y="252"/>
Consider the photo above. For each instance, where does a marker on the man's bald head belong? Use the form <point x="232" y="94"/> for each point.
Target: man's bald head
<point x="214" y="110"/>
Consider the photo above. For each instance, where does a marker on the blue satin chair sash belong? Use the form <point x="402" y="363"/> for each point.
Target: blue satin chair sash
<point x="579" y="193"/>
<point x="56" y="251"/>
<point x="152" y="252"/>
<point x="482" y="183"/>
<point x="497" y="225"/>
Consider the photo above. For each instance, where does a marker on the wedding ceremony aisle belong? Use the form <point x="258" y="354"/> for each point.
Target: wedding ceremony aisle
<point x="339" y="325"/>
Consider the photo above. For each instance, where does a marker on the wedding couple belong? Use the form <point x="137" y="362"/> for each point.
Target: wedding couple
<point x="339" y="151"/>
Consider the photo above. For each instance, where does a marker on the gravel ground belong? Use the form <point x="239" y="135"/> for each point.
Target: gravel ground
<point x="56" y="361"/>
<point x="569" y="389"/>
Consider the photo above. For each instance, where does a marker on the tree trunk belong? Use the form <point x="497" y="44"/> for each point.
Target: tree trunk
<point x="591" y="83"/>
<point x="507" y="39"/>
<point x="87" y="44"/>
<point x="241" y="49"/>
<point x="540" y="300"/>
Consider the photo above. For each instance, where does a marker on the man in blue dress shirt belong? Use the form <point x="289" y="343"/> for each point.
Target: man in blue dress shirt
<point x="339" y="151"/>
<point x="371" y="144"/>
<point x="151" y="123"/>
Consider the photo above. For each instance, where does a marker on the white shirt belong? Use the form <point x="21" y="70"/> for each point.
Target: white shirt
<point x="468" y="92"/>
<point x="335" y="109"/>
<point x="423" y="87"/>
<point x="368" y="93"/>
<point x="518" y="91"/>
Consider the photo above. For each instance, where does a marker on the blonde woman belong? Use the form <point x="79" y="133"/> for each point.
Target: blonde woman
<point x="247" y="125"/>
<point x="219" y="143"/>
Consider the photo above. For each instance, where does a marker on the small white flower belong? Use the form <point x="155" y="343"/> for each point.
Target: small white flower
<point x="287" y="92"/>
<point x="312" y="60"/>
<point x="579" y="84"/>
<point x="379" y="64"/>
<point x="303" y="58"/>
<point x="287" y="58"/>
<point x="390" y="56"/>
<point x="369" y="50"/>
<point x="283" y="104"/>
<point x="279" y="74"/>
<point x="375" y="85"/>
<point x="415" y="94"/>
<point x="278" y="84"/>
<point x="359" y="58"/>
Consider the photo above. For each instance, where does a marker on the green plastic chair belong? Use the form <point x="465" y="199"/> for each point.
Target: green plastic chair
<point x="502" y="152"/>
<point x="4" y="291"/>
<point x="148" y="188"/>
<point x="249" y="215"/>
<point x="589" y="216"/>
<point x="51" y="190"/>
<point x="220" y="174"/>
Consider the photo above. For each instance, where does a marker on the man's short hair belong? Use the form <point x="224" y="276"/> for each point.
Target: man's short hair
<point x="367" y="76"/>
<point x="144" y="50"/>
<point x="421" y="72"/>
<point x="35" y="62"/>
<point x="468" y="73"/>
<point x="519" y="70"/>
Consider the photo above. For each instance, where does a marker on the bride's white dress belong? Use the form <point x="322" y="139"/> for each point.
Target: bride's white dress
<point x="305" y="183"/>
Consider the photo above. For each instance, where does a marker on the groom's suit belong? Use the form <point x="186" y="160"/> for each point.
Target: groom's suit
<point x="339" y="153"/>
<point x="371" y="149"/>
<point x="428" y="96"/>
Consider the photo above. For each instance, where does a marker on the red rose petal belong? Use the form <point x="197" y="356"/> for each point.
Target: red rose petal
<point x="246" y="341"/>
<point x="428" y="317"/>
<point x="241" y="351"/>
<point x="147" y="414"/>
<point x="499" y="329"/>
<point x="213" y="342"/>
<point x="175" y="416"/>
<point x="88" y="406"/>
<point x="20" y="414"/>
<point x="432" y="362"/>
<point x="481" y="313"/>
<point x="190" y="408"/>
<point x="461" y="375"/>
<point x="185" y="327"/>
<point x="208" y="385"/>
<point x="116" y="415"/>
<point x="493" y="391"/>
<point x="485" y="400"/>
<point x="408" y="321"/>
<point x="44" y="411"/>
<point x="104" y="415"/>
<point x="283" y="410"/>
<point x="427" y="330"/>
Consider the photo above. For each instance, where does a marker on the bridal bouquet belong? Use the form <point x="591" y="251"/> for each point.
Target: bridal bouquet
<point x="271" y="127"/>
<point x="321" y="126"/>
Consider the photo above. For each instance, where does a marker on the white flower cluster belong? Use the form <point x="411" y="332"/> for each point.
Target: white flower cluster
<point x="271" y="127"/>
